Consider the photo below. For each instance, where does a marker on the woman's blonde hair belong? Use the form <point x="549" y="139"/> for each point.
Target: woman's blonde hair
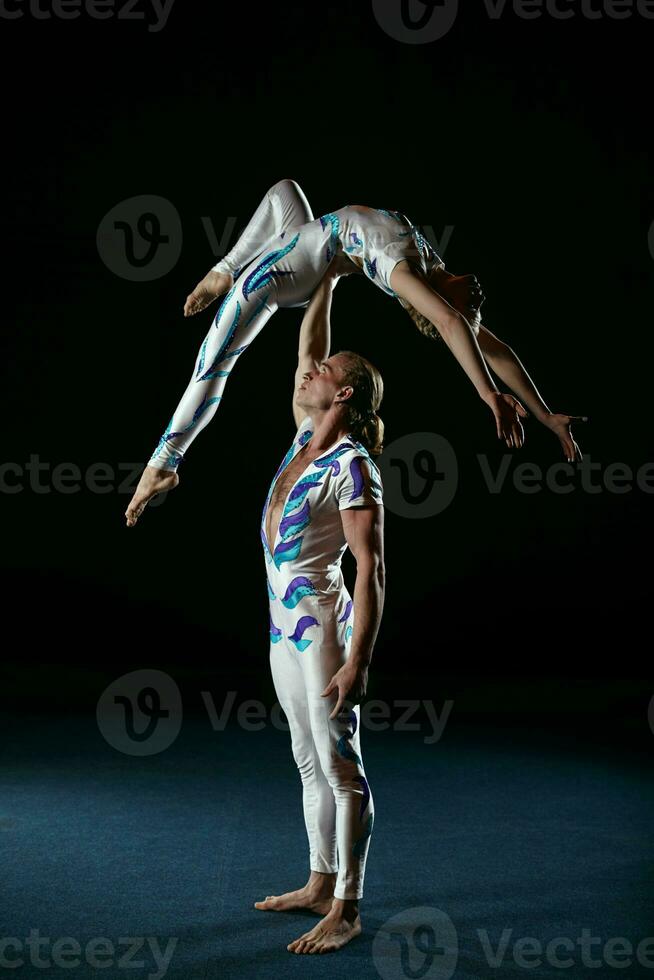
<point x="366" y="426"/>
<point x="438" y="282"/>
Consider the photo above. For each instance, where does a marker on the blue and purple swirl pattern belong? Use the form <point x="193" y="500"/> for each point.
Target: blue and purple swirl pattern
<point x="302" y="625"/>
<point x="263" y="274"/>
<point x="332" y="244"/>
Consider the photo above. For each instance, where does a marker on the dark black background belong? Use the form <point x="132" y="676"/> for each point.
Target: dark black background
<point x="533" y="140"/>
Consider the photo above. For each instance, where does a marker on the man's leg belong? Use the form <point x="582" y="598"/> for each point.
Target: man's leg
<point x="317" y="796"/>
<point x="339" y="751"/>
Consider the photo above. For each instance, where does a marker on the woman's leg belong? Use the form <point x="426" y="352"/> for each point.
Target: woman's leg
<point x="286" y="274"/>
<point x="283" y="206"/>
<point x="238" y="321"/>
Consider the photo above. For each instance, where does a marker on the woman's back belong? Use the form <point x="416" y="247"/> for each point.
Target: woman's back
<point x="381" y="239"/>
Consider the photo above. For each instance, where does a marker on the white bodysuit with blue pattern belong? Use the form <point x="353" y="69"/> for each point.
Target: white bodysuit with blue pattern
<point x="278" y="261"/>
<point x="312" y="619"/>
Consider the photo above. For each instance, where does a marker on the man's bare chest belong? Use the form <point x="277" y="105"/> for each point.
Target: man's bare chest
<point x="285" y="483"/>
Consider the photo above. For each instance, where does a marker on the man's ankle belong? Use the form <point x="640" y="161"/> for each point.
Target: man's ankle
<point x="322" y="880"/>
<point x="347" y="908"/>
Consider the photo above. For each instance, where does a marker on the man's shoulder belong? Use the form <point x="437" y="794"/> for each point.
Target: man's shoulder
<point x="358" y="449"/>
<point x="348" y="446"/>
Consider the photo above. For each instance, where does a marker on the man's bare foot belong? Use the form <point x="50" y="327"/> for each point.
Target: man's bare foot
<point x="152" y="482"/>
<point x="207" y="290"/>
<point x="341" y="924"/>
<point x="317" y="895"/>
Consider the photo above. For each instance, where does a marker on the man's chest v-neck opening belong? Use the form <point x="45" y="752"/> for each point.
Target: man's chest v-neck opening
<point x="301" y="474"/>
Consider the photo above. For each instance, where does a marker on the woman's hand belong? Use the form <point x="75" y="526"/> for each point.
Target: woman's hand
<point x="507" y="411"/>
<point x="560" y="426"/>
<point x="351" y="682"/>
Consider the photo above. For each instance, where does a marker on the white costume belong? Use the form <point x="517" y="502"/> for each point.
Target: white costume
<point x="311" y="623"/>
<point x="279" y="259"/>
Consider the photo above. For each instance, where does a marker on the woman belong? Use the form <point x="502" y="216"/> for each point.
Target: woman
<point x="279" y="260"/>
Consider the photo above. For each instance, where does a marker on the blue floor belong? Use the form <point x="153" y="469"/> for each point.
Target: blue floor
<point x="480" y="842"/>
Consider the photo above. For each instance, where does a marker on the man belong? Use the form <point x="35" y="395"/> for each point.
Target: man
<point x="326" y="496"/>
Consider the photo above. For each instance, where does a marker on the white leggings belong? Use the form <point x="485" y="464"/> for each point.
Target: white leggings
<point x="336" y="797"/>
<point x="258" y="290"/>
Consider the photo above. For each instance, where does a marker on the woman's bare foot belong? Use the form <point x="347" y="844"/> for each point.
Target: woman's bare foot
<point x="317" y="895"/>
<point x="152" y="482"/>
<point x="207" y="290"/>
<point x="341" y="924"/>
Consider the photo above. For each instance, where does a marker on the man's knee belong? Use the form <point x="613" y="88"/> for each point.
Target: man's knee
<point x="303" y="754"/>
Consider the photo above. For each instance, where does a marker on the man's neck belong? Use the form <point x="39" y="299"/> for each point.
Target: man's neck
<point x="325" y="432"/>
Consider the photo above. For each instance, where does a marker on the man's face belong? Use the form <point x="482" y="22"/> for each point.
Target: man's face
<point x="319" y="386"/>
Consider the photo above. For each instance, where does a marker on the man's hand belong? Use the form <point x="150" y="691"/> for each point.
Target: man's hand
<point x="341" y="265"/>
<point x="351" y="682"/>
<point x="560" y="426"/>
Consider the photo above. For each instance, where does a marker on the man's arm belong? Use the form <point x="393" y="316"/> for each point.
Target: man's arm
<point x="315" y="332"/>
<point x="315" y="337"/>
<point x="364" y="532"/>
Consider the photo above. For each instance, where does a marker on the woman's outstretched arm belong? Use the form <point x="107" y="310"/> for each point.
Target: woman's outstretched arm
<point x="460" y="338"/>
<point x="506" y="364"/>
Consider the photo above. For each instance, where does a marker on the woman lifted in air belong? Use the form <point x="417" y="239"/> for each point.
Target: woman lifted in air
<point x="279" y="260"/>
